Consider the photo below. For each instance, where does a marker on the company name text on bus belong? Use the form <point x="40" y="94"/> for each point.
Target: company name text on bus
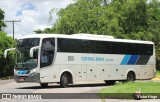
<point x="95" y="59"/>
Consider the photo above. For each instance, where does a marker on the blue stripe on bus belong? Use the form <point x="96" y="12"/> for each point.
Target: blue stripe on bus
<point x="133" y="59"/>
<point x="125" y="59"/>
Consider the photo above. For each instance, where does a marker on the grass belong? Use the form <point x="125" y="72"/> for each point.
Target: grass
<point x="127" y="90"/>
<point x="158" y="74"/>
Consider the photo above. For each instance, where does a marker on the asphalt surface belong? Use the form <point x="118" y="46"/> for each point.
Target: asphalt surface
<point x="10" y="86"/>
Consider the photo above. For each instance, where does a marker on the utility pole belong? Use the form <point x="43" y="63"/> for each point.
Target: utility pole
<point x="13" y="21"/>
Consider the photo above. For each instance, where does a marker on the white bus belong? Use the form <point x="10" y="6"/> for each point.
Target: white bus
<point x="64" y="59"/>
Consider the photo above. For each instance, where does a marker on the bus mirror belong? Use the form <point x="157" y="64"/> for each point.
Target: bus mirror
<point x="5" y="54"/>
<point x="32" y="50"/>
<point x="6" y="51"/>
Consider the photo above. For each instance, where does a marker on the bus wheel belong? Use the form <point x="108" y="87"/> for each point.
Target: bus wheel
<point x="130" y="77"/>
<point x="44" y="85"/>
<point x="64" y="81"/>
<point x="110" y="82"/>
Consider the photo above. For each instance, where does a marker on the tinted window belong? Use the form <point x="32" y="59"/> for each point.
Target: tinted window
<point x="69" y="45"/>
<point x="146" y="49"/>
<point x="118" y="48"/>
<point x="103" y="47"/>
<point x="132" y="49"/>
<point x="99" y="47"/>
<point x="87" y="46"/>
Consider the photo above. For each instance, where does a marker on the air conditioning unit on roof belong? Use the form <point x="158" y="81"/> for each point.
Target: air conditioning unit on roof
<point x="93" y="35"/>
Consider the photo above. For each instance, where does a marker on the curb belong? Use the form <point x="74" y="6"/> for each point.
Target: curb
<point x="156" y="78"/>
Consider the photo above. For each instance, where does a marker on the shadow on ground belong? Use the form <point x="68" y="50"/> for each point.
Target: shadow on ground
<point x="58" y="86"/>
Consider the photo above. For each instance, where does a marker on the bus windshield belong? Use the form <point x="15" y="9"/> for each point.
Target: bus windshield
<point x="23" y="53"/>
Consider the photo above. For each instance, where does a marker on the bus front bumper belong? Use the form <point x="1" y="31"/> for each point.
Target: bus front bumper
<point x="34" y="78"/>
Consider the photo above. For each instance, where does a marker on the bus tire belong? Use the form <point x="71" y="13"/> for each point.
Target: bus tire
<point x="130" y="77"/>
<point x="64" y="81"/>
<point x="44" y="85"/>
<point x="110" y="82"/>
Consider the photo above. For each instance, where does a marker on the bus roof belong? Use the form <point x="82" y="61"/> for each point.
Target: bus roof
<point x="86" y="37"/>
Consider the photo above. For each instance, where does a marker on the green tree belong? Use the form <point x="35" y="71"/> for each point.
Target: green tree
<point x="6" y="65"/>
<point x="87" y="16"/>
<point x="38" y="31"/>
<point x="2" y="24"/>
<point x="154" y="25"/>
<point x="120" y="18"/>
<point x="130" y="19"/>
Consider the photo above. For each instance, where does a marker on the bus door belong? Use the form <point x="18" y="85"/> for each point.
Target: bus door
<point x="46" y="59"/>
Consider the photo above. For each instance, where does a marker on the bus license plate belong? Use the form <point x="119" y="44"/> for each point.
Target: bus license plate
<point x="21" y="79"/>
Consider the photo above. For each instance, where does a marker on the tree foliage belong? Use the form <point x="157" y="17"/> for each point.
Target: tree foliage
<point x="6" y="65"/>
<point x="130" y="19"/>
<point x="2" y="24"/>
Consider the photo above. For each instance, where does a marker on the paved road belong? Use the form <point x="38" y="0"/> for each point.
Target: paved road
<point x="9" y="86"/>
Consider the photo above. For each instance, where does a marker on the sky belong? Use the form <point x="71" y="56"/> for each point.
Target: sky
<point x="33" y="14"/>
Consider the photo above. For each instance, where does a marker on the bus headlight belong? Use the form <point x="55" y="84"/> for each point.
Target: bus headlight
<point x="32" y="74"/>
<point x="15" y="75"/>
